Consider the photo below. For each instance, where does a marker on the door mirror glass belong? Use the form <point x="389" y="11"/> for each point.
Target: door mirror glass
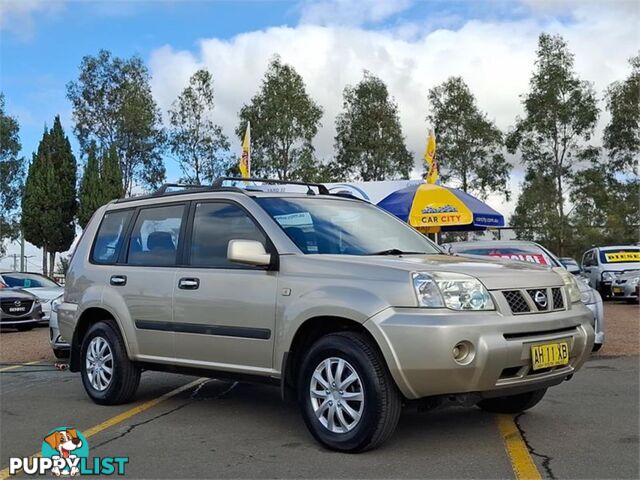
<point x="248" y="251"/>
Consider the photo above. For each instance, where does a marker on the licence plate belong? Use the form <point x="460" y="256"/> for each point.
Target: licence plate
<point x="17" y="309"/>
<point x="616" y="289"/>
<point x="549" y="355"/>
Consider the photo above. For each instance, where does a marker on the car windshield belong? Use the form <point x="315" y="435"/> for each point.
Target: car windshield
<point x="332" y="226"/>
<point x="523" y="253"/>
<point x="620" y="255"/>
<point x="21" y="280"/>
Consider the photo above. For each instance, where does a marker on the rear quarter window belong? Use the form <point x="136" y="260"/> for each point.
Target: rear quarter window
<point x="110" y="237"/>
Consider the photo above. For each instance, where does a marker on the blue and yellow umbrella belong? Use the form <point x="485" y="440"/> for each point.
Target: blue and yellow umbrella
<point x="435" y="208"/>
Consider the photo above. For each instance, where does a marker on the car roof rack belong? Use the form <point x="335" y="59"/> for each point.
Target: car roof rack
<point x="322" y="190"/>
<point x="218" y="186"/>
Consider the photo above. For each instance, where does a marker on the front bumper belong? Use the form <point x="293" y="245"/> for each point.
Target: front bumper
<point x="625" y="291"/>
<point x="418" y="347"/>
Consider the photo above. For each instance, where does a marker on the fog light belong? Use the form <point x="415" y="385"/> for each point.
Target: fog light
<point x="463" y="352"/>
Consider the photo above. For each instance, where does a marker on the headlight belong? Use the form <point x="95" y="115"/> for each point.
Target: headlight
<point x="573" y="290"/>
<point x="451" y="290"/>
<point x="56" y="302"/>
<point x="608" y="276"/>
<point x="634" y="281"/>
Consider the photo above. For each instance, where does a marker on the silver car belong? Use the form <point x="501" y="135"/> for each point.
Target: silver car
<point x="602" y="265"/>
<point x="42" y="287"/>
<point x="532" y="252"/>
<point x="347" y="309"/>
<point x="627" y="286"/>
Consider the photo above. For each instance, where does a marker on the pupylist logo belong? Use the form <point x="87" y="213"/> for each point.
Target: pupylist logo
<point x="65" y="452"/>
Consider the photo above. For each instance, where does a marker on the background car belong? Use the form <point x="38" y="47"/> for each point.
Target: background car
<point x="602" y="265"/>
<point x="42" y="287"/>
<point x="570" y="264"/>
<point x="524" y="251"/>
<point x="20" y="309"/>
<point x="627" y="286"/>
<point x="59" y="345"/>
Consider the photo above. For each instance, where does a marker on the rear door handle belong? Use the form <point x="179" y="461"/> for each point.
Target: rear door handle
<point x="189" y="283"/>
<point x="118" y="280"/>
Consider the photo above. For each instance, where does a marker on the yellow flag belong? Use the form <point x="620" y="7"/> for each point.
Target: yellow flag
<point x="245" y="159"/>
<point x="430" y="159"/>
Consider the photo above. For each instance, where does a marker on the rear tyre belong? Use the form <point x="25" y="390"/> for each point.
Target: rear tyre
<point x="348" y="399"/>
<point x="108" y="376"/>
<point x="513" y="403"/>
<point x="24" y="328"/>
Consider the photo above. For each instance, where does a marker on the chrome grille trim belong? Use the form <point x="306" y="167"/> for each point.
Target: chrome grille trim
<point x="522" y="301"/>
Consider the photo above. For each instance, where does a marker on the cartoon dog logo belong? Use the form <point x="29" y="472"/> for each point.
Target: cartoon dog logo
<point x="65" y="442"/>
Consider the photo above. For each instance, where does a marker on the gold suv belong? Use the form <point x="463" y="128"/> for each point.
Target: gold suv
<point x="349" y="310"/>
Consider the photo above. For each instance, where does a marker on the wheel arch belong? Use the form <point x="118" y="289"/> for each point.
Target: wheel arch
<point x="87" y="318"/>
<point x="307" y="333"/>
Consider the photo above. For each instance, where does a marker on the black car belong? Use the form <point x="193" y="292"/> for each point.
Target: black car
<point x="19" y="309"/>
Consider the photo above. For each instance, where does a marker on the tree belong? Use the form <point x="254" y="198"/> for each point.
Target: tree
<point x="49" y="201"/>
<point x="469" y="144"/>
<point x="110" y="175"/>
<point x="605" y="208"/>
<point x="101" y="182"/>
<point x="12" y="175"/>
<point x="535" y="217"/>
<point x="369" y="142"/>
<point x="113" y="106"/>
<point x="197" y="142"/>
<point x="90" y="192"/>
<point x="622" y="134"/>
<point x="36" y="216"/>
<point x="560" y="114"/>
<point x="284" y="120"/>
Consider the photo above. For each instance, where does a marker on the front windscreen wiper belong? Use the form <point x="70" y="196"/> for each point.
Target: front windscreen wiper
<point x="395" y="251"/>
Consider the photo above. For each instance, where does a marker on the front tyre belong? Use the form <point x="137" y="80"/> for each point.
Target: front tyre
<point x="348" y="399"/>
<point x="513" y="403"/>
<point x="108" y="376"/>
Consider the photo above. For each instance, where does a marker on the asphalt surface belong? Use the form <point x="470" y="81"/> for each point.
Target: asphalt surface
<point x="584" y="428"/>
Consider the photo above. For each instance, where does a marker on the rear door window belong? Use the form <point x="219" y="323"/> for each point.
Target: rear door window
<point x="110" y="237"/>
<point x="214" y="225"/>
<point x="155" y="236"/>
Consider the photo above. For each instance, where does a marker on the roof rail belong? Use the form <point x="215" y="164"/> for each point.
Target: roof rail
<point x="322" y="190"/>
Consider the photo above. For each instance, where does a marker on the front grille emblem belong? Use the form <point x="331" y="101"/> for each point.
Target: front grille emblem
<point x="17" y="303"/>
<point x="541" y="299"/>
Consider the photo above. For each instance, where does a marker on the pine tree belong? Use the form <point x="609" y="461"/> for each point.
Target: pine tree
<point x="111" y="175"/>
<point x="49" y="201"/>
<point x="369" y="141"/>
<point x="90" y="195"/>
<point x="35" y="214"/>
<point x="62" y="174"/>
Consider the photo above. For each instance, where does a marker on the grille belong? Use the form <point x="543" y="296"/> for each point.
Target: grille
<point x="558" y="301"/>
<point x="540" y="298"/>
<point x="9" y="307"/>
<point x="516" y="301"/>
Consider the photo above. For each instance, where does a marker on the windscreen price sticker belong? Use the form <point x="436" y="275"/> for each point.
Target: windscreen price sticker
<point x="623" y="257"/>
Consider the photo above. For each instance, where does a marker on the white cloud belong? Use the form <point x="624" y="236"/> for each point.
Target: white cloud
<point x="350" y="12"/>
<point x="18" y="16"/>
<point x="495" y="57"/>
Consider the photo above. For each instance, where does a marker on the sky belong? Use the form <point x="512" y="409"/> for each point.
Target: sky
<point x="411" y="45"/>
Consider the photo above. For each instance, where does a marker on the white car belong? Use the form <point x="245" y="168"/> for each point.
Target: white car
<point x="42" y="287"/>
<point x="59" y="345"/>
<point x="627" y="286"/>
<point x="602" y="265"/>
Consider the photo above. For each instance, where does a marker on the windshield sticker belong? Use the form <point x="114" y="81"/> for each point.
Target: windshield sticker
<point x="294" y="219"/>
<point x="523" y="257"/>
<point x="633" y="256"/>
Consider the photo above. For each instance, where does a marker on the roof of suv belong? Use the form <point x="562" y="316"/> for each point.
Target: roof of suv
<point x="254" y="191"/>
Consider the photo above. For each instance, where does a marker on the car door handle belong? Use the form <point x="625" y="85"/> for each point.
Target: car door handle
<point x="118" y="280"/>
<point x="189" y="283"/>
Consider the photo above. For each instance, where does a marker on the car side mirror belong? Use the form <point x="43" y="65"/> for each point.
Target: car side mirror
<point x="249" y="252"/>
